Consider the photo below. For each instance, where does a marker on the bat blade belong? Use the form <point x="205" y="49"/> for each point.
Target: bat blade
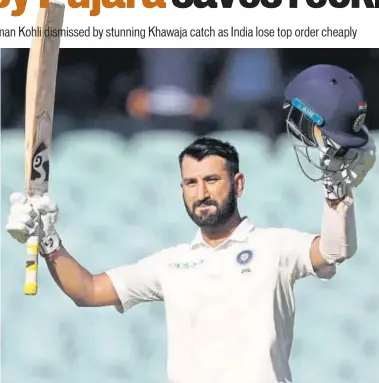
<point x="39" y="111"/>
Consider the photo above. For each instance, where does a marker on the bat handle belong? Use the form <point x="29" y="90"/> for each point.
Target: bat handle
<point x="31" y="266"/>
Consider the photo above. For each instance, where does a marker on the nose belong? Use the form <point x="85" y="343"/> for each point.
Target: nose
<point x="201" y="191"/>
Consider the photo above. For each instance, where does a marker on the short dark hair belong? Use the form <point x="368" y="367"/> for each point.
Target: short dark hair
<point x="206" y="146"/>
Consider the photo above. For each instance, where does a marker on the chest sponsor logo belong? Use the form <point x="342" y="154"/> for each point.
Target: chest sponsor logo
<point x="186" y="265"/>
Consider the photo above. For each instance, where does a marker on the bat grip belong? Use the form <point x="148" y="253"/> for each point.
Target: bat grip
<point x="31" y="266"/>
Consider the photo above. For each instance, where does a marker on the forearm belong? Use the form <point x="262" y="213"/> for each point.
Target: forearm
<point x="72" y="278"/>
<point x="338" y="232"/>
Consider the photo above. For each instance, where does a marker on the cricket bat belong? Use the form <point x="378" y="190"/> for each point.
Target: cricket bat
<point x="39" y="110"/>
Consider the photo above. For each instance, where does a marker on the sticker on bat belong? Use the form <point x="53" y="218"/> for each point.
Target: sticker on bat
<point x="40" y="165"/>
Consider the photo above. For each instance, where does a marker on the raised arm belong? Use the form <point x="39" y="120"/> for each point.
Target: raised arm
<point x="338" y="240"/>
<point x="74" y="280"/>
<point x="122" y="287"/>
<point x="84" y="288"/>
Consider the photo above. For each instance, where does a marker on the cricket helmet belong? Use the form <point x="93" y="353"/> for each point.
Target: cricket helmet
<point x="325" y="111"/>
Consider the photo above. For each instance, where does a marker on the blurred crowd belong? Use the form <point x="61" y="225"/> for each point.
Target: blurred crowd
<point x="197" y="90"/>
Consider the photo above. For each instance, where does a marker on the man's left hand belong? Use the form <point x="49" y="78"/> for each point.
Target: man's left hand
<point x="357" y="172"/>
<point x="342" y="183"/>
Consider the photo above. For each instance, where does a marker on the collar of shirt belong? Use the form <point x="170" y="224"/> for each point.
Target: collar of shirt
<point x="240" y="234"/>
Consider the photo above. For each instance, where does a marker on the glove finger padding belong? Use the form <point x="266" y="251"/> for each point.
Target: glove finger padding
<point x="18" y="199"/>
<point x="48" y="210"/>
<point x="44" y="204"/>
<point x="21" y="226"/>
<point x="18" y="232"/>
<point x="355" y="173"/>
<point x="365" y="161"/>
<point x="27" y="214"/>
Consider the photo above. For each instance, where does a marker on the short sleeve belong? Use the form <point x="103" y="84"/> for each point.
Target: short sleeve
<point x="136" y="283"/>
<point x="295" y="253"/>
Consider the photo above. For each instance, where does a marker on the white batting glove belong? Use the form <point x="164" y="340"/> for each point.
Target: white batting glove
<point x="341" y="183"/>
<point x="29" y="216"/>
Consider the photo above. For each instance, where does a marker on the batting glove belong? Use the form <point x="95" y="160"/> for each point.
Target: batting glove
<point x="31" y="215"/>
<point x="338" y="185"/>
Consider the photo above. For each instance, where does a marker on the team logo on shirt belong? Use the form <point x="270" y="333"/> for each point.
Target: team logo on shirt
<point x="244" y="257"/>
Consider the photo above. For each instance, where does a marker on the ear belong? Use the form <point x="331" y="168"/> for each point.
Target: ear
<point x="239" y="184"/>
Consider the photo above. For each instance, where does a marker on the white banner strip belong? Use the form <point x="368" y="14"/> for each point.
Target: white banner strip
<point x="239" y="26"/>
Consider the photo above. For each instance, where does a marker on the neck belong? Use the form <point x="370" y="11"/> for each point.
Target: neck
<point x="213" y="236"/>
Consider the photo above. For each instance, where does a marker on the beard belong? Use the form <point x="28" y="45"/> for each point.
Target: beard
<point x="207" y="219"/>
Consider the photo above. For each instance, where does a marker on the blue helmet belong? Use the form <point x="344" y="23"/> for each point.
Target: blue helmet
<point x="326" y="109"/>
<point x="332" y="99"/>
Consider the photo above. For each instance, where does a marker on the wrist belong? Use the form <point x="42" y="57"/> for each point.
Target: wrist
<point x="340" y="205"/>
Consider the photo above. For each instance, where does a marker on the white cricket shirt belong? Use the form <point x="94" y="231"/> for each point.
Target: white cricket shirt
<point x="229" y="309"/>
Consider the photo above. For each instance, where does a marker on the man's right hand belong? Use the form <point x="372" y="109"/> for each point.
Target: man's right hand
<point x="29" y="215"/>
<point x="85" y="289"/>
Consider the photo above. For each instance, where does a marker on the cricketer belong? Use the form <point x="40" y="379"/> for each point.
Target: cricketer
<point x="228" y="294"/>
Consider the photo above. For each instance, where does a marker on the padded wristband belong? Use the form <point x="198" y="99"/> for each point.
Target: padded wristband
<point x="50" y="244"/>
